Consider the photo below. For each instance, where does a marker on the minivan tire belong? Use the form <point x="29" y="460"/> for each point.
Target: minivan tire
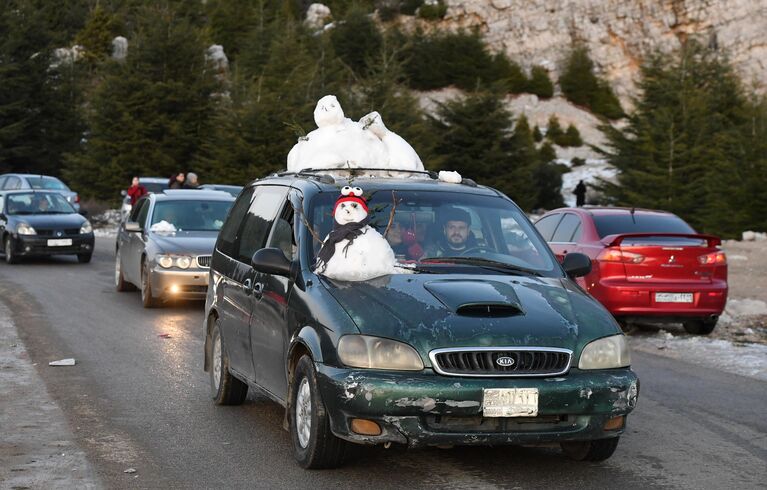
<point x="317" y="447"/>
<point x="226" y="389"/>
<point x="702" y="326"/>
<point x="596" y="450"/>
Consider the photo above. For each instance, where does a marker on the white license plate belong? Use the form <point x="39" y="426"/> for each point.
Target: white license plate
<point x="510" y="402"/>
<point x="60" y="242"/>
<point x="673" y="297"/>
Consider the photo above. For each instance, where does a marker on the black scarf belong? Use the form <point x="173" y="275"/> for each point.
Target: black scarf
<point x="349" y="231"/>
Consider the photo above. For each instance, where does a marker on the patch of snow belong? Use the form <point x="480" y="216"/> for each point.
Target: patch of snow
<point x="743" y="359"/>
<point x="163" y="227"/>
<point x="736" y="257"/>
<point x="754" y="236"/>
<point x="67" y="56"/>
<point x="108" y="232"/>
<point x="451" y="177"/>
<point x="215" y="54"/>
<point x="738" y="309"/>
<point x="590" y="173"/>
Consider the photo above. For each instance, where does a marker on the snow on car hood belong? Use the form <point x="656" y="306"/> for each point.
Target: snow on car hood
<point x="190" y="242"/>
<point x="432" y="311"/>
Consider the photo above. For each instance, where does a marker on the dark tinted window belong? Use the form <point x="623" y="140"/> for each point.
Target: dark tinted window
<point x="619" y="223"/>
<point x="258" y="221"/>
<point x="142" y="214"/>
<point x="153" y="187"/>
<point x="228" y="235"/>
<point x="578" y="232"/>
<point x="566" y="228"/>
<point x="547" y="225"/>
<point x="136" y="209"/>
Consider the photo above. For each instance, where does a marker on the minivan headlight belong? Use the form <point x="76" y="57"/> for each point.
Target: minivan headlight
<point x="25" y="229"/>
<point x="364" y="351"/>
<point x="86" y="228"/>
<point x="606" y="353"/>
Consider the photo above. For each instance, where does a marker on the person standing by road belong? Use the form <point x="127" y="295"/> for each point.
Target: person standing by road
<point x="135" y="191"/>
<point x="191" y="181"/>
<point x="177" y="181"/>
<point x="580" y="194"/>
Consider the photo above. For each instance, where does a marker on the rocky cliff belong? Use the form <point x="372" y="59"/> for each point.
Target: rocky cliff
<point x="618" y="33"/>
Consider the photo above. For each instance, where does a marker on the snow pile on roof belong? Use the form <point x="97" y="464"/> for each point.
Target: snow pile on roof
<point x="163" y="227"/>
<point x="339" y="142"/>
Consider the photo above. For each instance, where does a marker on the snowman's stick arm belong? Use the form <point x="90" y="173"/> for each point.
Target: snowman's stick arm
<point x="391" y="214"/>
<point x="306" y="223"/>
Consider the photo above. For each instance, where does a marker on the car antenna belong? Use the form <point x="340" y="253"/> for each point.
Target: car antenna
<point x="632" y="215"/>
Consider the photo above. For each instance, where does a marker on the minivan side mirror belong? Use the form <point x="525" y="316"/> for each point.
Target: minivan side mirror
<point x="576" y="264"/>
<point x="271" y="261"/>
<point x="132" y="226"/>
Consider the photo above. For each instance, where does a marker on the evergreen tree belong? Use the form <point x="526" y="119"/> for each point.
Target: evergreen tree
<point x="548" y="179"/>
<point x="537" y="136"/>
<point x="97" y="34"/>
<point x="686" y="147"/>
<point x="540" y="83"/>
<point x="148" y="114"/>
<point x="581" y="86"/>
<point x="356" y="39"/>
<point x="554" y="129"/>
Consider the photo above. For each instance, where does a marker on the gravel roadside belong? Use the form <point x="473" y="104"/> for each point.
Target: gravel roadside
<point x="37" y="448"/>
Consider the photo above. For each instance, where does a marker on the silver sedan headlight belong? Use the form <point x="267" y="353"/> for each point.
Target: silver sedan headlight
<point x="165" y="261"/>
<point x="607" y="353"/>
<point x="86" y="228"/>
<point x="183" y="262"/>
<point x="25" y="229"/>
<point x="364" y="351"/>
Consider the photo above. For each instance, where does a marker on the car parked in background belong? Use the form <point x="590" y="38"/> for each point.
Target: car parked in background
<point x="40" y="182"/>
<point x="151" y="184"/>
<point x="648" y="266"/>
<point x="234" y="190"/>
<point x="165" y="245"/>
<point x="42" y="223"/>
<point x="489" y="345"/>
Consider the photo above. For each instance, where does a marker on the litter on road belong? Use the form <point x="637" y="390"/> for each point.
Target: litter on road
<point x="63" y="362"/>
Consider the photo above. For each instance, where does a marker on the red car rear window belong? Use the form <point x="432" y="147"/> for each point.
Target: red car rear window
<point x="616" y="224"/>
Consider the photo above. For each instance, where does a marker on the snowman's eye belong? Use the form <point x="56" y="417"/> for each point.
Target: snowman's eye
<point x="346" y="190"/>
<point x="354" y="205"/>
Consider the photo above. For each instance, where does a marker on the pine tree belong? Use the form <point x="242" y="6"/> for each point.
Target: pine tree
<point x="540" y="83"/>
<point x="97" y="34"/>
<point x="581" y="86"/>
<point x="554" y="129"/>
<point x="548" y="179"/>
<point x="149" y="114"/>
<point x="356" y="39"/>
<point x="685" y="146"/>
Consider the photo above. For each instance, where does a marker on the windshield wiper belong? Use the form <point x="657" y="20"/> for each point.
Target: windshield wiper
<point x="486" y="263"/>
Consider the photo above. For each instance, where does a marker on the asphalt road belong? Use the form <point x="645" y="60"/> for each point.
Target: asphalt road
<point x="137" y="400"/>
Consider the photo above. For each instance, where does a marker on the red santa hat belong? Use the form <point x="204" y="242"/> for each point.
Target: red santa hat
<point x="351" y="194"/>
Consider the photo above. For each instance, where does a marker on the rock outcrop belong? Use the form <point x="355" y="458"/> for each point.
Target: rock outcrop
<point x="618" y="33"/>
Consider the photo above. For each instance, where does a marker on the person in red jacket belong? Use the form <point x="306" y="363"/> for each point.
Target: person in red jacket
<point x="135" y="191"/>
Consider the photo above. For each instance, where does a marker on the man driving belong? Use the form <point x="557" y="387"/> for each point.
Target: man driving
<point x="456" y="235"/>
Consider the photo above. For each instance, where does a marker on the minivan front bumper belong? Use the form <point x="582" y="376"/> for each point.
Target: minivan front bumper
<point x="423" y="408"/>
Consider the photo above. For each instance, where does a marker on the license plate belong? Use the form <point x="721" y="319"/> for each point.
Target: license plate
<point x="673" y="297"/>
<point x="60" y="242"/>
<point x="510" y="402"/>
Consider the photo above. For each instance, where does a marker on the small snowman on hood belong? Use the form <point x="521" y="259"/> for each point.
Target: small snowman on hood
<point x="353" y="251"/>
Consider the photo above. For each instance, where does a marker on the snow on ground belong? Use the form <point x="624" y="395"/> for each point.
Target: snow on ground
<point x="105" y="224"/>
<point x="593" y="170"/>
<point x="744" y="359"/>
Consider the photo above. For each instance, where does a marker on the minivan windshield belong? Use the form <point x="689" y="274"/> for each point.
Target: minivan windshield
<point x="188" y="215"/>
<point x="37" y="203"/>
<point x="448" y="229"/>
<point x="51" y="183"/>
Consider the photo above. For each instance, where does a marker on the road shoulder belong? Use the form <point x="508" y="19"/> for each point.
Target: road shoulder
<point x="38" y="449"/>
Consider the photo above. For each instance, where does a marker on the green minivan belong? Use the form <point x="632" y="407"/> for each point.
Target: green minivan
<point x="485" y="339"/>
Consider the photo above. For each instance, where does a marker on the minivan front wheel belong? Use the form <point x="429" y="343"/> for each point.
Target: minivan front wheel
<point x="314" y="445"/>
<point x="597" y="450"/>
<point x="226" y="389"/>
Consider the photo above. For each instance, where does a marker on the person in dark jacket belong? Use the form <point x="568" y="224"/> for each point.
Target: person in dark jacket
<point x="191" y="181"/>
<point x="456" y="237"/>
<point x="177" y="181"/>
<point x="135" y="191"/>
<point x="580" y="194"/>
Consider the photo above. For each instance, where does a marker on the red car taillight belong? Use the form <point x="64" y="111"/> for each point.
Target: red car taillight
<point x="617" y="255"/>
<point x="714" y="258"/>
<point x="77" y="198"/>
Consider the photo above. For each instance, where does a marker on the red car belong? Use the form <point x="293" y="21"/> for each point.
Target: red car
<point x="647" y="266"/>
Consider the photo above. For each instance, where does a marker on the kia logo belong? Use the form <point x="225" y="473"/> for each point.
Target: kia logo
<point x="505" y="361"/>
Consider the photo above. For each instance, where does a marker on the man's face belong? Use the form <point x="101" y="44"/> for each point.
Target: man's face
<point x="456" y="233"/>
<point x="43" y="206"/>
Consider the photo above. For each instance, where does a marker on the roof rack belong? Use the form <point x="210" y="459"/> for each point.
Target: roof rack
<point x="326" y="178"/>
